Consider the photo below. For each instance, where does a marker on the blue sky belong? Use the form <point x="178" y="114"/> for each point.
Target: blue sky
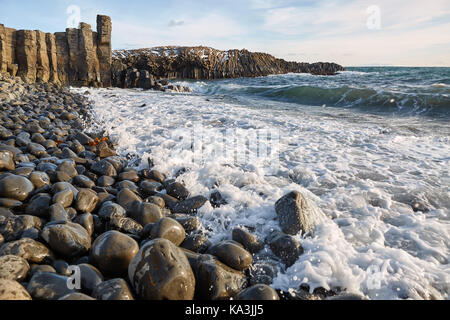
<point x="400" y="32"/>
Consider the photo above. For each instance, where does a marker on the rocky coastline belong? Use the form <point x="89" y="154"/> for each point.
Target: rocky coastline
<point x="69" y="203"/>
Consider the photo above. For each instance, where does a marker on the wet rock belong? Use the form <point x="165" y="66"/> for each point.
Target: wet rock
<point x="86" y="200"/>
<point x="150" y="188"/>
<point x="177" y="190"/>
<point x="68" y="239"/>
<point x="7" y="160"/>
<point x="146" y="213"/>
<point x="91" y="277"/>
<point x="285" y="246"/>
<point x="189" y="205"/>
<point x="42" y="268"/>
<point x="125" y="225"/>
<point x="49" y="286"/>
<point x="169" y="201"/>
<point x="216" y="199"/>
<point x="129" y="175"/>
<point x="263" y="272"/>
<point x="232" y="255"/>
<point x="112" y="252"/>
<point x="197" y="243"/>
<point x="295" y="214"/>
<point x="189" y="223"/>
<point x="155" y="175"/>
<point x="105" y="181"/>
<point x="15" y="187"/>
<point x="157" y="200"/>
<point x="169" y="229"/>
<point x="30" y="250"/>
<point x="161" y="271"/>
<point x="61" y="267"/>
<point x="86" y="221"/>
<point x="259" y="292"/>
<point x="216" y="281"/>
<point x="58" y="213"/>
<point x="128" y="199"/>
<point x="31" y="233"/>
<point x="39" y="179"/>
<point x="104" y="168"/>
<point x="250" y="242"/>
<point x="83" y="138"/>
<point x="36" y="149"/>
<point x="83" y="182"/>
<point x="13" y="228"/>
<point x="39" y="205"/>
<point x="13" y="268"/>
<point x="115" y="289"/>
<point x="2" y="240"/>
<point x="76" y="297"/>
<point x="68" y="167"/>
<point x="64" y="198"/>
<point x="104" y="151"/>
<point x="10" y="203"/>
<point x="12" y="290"/>
<point x="110" y="209"/>
<point x="60" y="186"/>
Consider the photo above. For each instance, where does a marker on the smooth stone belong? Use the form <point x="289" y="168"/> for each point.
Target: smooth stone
<point x="83" y="138"/>
<point x="12" y="228"/>
<point x="68" y="239"/>
<point x="91" y="277"/>
<point x="105" y="181"/>
<point x="39" y="179"/>
<point x="150" y="188"/>
<point x="157" y="200"/>
<point x="129" y="175"/>
<point x="41" y="268"/>
<point x="86" y="220"/>
<point x="12" y="290"/>
<point x="10" y="203"/>
<point x="263" y="272"/>
<point x="161" y="271"/>
<point x="155" y="175"/>
<point x="15" y="187"/>
<point x="146" y="213"/>
<point x="169" y="229"/>
<point x="126" y="184"/>
<point x="68" y="168"/>
<point x="83" y="182"/>
<point x="64" y="198"/>
<point x="104" y="168"/>
<point x="114" y="290"/>
<point x="196" y="243"/>
<point x="14" y="268"/>
<point x="190" y="205"/>
<point x="110" y="209"/>
<point x="125" y="225"/>
<point x="76" y="297"/>
<point x="58" y="213"/>
<point x="169" y="201"/>
<point x="29" y="249"/>
<point x="112" y="252"/>
<point x="232" y="255"/>
<point x="177" y="190"/>
<point x="295" y="214"/>
<point x="217" y="281"/>
<point x="49" y="286"/>
<point x="128" y="199"/>
<point x="86" y="200"/>
<point x="259" y="292"/>
<point x="7" y="160"/>
<point x="36" y="149"/>
<point x="285" y="247"/>
<point x="216" y="199"/>
<point x="188" y="222"/>
<point x="61" y="267"/>
<point x="250" y="242"/>
<point x="39" y="205"/>
<point x="31" y="233"/>
<point x="60" y="186"/>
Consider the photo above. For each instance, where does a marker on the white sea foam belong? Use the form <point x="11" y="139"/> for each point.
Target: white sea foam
<point x="362" y="172"/>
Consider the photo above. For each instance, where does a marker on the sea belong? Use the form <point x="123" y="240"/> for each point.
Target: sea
<point x="369" y="148"/>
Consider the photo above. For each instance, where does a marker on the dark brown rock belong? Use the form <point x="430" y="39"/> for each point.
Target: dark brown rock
<point x="115" y="289"/>
<point x="169" y="229"/>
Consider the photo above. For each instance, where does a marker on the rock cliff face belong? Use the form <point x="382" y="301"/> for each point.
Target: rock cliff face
<point x="207" y="63"/>
<point x="79" y="57"/>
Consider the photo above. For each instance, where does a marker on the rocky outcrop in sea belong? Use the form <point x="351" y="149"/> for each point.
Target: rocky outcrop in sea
<point x="138" y="68"/>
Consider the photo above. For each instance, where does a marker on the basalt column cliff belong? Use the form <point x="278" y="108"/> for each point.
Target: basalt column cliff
<point x="79" y="57"/>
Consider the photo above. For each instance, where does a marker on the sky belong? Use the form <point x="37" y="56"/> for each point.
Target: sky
<point x="351" y="33"/>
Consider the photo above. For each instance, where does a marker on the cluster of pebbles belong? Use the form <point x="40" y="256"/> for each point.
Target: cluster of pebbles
<point x="77" y="223"/>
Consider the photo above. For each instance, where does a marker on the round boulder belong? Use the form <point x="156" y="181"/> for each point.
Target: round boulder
<point x="68" y="239"/>
<point x="13" y="268"/>
<point x="12" y="290"/>
<point x="15" y="187"/>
